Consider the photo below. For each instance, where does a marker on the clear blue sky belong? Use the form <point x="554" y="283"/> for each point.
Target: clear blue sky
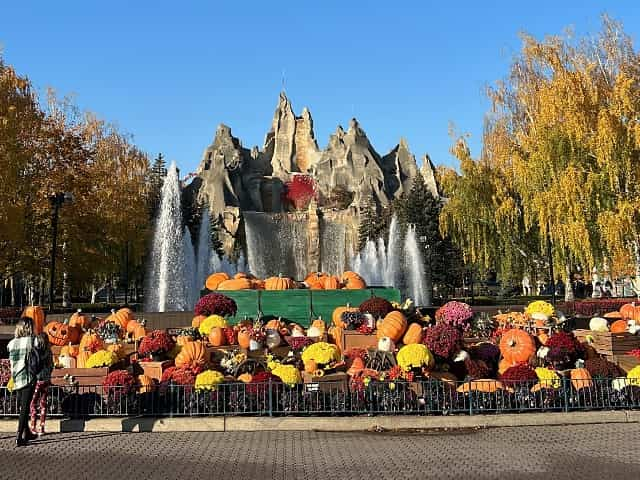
<point x="170" y="72"/>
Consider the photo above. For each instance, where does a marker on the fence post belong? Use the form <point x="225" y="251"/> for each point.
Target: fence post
<point x="270" y="398"/>
<point x="470" y="399"/>
<point x="564" y="394"/>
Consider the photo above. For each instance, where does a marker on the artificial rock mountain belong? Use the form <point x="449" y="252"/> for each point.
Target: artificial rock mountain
<point x="232" y="179"/>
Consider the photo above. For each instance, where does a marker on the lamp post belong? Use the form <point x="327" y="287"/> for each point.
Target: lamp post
<point x="56" y="200"/>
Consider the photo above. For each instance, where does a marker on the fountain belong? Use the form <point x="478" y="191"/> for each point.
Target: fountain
<point x="332" y="247"/>
<point x="203" y="250"/>
<point x="166" y="275"/>
<point x="414" y="268"/>
<point x="190" y="272"/>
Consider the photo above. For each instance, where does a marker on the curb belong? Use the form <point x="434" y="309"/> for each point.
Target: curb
<point x="327" y="424"/>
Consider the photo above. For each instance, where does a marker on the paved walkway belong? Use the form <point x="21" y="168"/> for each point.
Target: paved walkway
<point x="572" y="452"/>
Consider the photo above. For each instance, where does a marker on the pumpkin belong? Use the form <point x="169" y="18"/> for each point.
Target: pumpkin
<point x="182" y="339"/>
<point x="336" y="316"/>
<point x="320" y="325"/>
<point x="413" y="334"/>
<point x="385" y="344"/>
<point x="132" y="325"/>
<point x="598" y="324"/>
<point x="139" y="332"/>
<point x="279" y="283"/>
<point x="353" y="281"/>
<point x="613" y="315"/>
<point x="581" y="378"/>
<point x="37" y="315"/>
<point x="241" y="275"/>
<point x="235" y="284"/>
<point x="356" y="367"/>
<point x="61" y="334"/>
<point x="630" y="312"/>
<point x="392" y="326"/>
<point x="145" y="384"/>
<point x="244" y="339"/>
<point x="335" y="335"/>
<point x="503" y="366"/>
<point x="310" y="366"/>
<point x="81" y="359"/>
<point x="215" y="279"/>
<point x="245" y="377"/>
<point x="79" y="320"/>
<point x="192" y="355"/>
<point x="274" y="324"/>
<point x="517" y="346"/>
<point x="90" y="338"/>
<point x="331" y="283"/>
<point x="116" y="348"/>
<point x="69" y="351"/>
<point x="121" y="318"/>
<point x="619" y="326"/>
<point x="482" y="385"/>
<point x="257" y="284"/>
<point x="197" y="320"/>
<point x="217" y="337"/>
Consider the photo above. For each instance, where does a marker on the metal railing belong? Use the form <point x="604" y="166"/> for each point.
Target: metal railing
<point x="430" y="397"/>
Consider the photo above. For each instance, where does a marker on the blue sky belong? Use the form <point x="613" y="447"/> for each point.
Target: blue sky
<point x="170" y="72"/>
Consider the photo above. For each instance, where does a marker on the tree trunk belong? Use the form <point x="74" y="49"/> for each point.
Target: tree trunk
<point x="13" y="291"/>
<point x="568" y="289"/>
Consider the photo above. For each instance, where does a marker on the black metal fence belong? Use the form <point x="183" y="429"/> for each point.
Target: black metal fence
<point x="334" y="399"/>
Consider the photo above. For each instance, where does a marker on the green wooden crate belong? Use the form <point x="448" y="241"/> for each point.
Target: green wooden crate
<point x="247" y="301"/>
<point x="293" y="305"/>
<point x="324" y="302"/>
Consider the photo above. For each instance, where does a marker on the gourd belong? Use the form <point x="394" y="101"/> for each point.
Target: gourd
<point x="392" y="326"/>
<point x="517" y="346"/>
<point x="215" y="279"/>
<point x="581" y="378"/>
<point x="235" y="284"/>
<point x="217" y="337"/>
<point x="619" y="326"/>
<point x="192" y="355"/>
<point x="413" y="334"/>
<point x="81" y="359"/>
<point x="244" y="339"/>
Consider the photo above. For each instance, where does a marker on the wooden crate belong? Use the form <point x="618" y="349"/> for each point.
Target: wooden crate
<point x="83" y="376"/>
<point x="354" y="339"/>
<point x="625" y="362"/>
<point x="155" y="369"/>
<point x="331" y="382"/>
<point x="610" y="344"/>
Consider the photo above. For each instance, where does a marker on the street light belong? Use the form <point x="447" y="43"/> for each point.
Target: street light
<point x="56" y="200"/>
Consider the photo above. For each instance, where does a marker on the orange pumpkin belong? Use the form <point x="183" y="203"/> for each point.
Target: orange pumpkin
<point x="79" y="320"/>
<point x="581" y="378"/>
<point x="320" y="325"/>
<point x="274" y="324"/>
<point x="139" y="332"/>
<point x="392" y="326"/>
<point x="235" y="284"/>
<point x="630" y="312"/>
<point x="70" y="351"/>
<point x="145" y="384"/>
<point x="257" y="284"/>
<point x="613" y="315"/>
<point x="353" y="281"/>
<point x="310" y="366"/>
<point x="90" y="338"/>
<point x="315" y="281"/>
<point x="215" y="279"/>
<point x="61" y="334"/>
<point x="241" y="275"/>
<point x="192" y="355"/>
<point x="81" y="359"/>
<point x="413" y="334"/>
<point x="619" y="326"/>
<point x="197" y="320"/>
<point x="183" y="339"/>
<point x="245" y="377"/>
<point x="37" y="315"/>
<point x="335" y="336"/>
<point x="217" y="337"/>
<point x="116" y="348"/>
<point x="517" y="346"/>
<point x="244" y="339"/>
<point x="121" y="318"/>
<point x="336" y="316"/>
<point x="279" y="283"/>
<point x="132" y="325"/>
<point x="331" y="282"/>
<point x="503" y="366"/>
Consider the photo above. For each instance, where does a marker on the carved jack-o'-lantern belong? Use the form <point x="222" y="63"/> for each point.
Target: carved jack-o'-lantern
<point x="61" y="334"/>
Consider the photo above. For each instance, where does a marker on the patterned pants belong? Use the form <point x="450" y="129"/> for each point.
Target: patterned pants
<point x="39" y="405"/>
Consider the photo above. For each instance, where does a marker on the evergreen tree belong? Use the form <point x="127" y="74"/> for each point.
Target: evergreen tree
<point x="156" y="178"/>
<point x="373" y="223"/>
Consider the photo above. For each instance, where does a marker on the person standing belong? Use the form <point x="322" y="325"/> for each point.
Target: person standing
<point x="39" y="400"/>
<point x="23" y="380"/>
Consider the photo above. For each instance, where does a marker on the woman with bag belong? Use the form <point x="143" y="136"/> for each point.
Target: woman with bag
<point x="24" y="381"/>
<point x="39" y="400"/>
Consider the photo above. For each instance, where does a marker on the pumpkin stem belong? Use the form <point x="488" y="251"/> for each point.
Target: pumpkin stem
<point x="512" y="343"/>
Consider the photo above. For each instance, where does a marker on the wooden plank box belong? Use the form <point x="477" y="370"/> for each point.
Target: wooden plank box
<point x="354" y="339"/>
<point x="83" y="376"/>
<point x="610" y="344"/>
<point x="155" y="369"/>
<point x="625" y="362"/>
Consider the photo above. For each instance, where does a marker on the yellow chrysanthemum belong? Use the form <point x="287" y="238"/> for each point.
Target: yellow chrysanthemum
<point x="633" y="376"/>
<point x="322" y="353"/>
<point x="540" y="306"/>
<point x="548" y="378"/>
<point x="211" y="322"/>
<point x="415" y="355"/>
<point x="208" y="380"/>
<point x="10" y="385"/>
<point x="102" y="358"/>
<point x="289" y="374"/>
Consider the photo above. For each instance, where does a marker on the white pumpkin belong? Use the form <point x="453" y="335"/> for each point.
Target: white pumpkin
<point x="598" y="324"/>
<point x="314" y="332"/>
<point x="540" y="316"/>
<point x="632" y="327"/>
<point x="542" y="352"/>
<point x="461" y="356"/>
<point x="385" y="344"/>
<point x="297" y="332"/>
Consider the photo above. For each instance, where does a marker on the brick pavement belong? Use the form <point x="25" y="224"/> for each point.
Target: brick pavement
<point x="575" y="452"/>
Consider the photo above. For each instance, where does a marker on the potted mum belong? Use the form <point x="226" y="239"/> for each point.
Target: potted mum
<point x="156" y="345"/>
